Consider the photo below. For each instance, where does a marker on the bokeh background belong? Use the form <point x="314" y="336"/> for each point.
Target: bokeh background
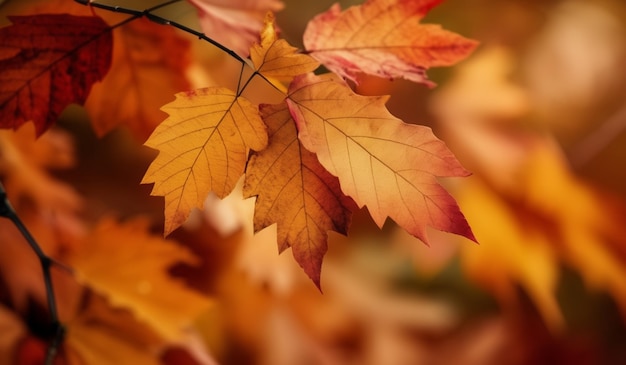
<point x="537" y="113"/>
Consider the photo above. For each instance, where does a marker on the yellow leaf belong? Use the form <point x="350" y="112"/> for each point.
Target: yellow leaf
<point x="127" y="265"/>
<point x="592" y="234"/>
<point x="101" y="335"/>
<point x="390" y="166"/>
<point x="551" y="218"/>
<point x="515" y="248"/>
<point x="296" y="192"/>
<point x="275" y="58"/>
<point x="203" y="147"/>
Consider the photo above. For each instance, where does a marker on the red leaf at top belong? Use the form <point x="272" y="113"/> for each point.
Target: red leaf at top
<point x="47" y="62"/>
<point x="383" y="38"/>
<point x="234" y="23"/>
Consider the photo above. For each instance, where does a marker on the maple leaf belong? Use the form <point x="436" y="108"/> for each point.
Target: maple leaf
<point x="129" y="266"/>
<point x="47" y="62"/>
<point x="276" y="58"/>
<point x="381" y="162"/>
<point x="235" y="23"/>
<point x="296" y="192"/>
<point x="383" y="38"/>
<point x="147" y="69"/>
<point x="203" y="146"/>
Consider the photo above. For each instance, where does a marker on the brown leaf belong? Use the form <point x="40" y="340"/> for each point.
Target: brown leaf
<point x="294" y="191"/>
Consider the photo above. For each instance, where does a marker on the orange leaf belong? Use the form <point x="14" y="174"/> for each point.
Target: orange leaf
<point x="274" y="57"/>
<point x="235" y="23"/>
<point x="381" y="162"/>
<point x="47" y="62"/>
<point x="149" y="61"/>
<point x="296" y="192"/>
<point x="203" y="146"/>
<point x="383" y="38"/>
<point x="129" y="266"/>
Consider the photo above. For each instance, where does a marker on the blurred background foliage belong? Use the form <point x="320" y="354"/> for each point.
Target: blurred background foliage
<point x="538" y="114"/>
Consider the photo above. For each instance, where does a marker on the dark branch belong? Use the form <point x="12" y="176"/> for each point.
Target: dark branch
<point x="148" y="13"/>
<point x="7" y="211"/>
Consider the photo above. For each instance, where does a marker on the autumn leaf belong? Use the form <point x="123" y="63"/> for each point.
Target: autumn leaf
<point x="515" y="250"/>
<point x="276" y="58"/>
<point x="383" y="38"/>
<point x="127" y="265"/>
<point x="47" y="62"/>
<point x="101" y="335"/>
<point x="148" y="67"/>
<point x="203" y="147"/>
<point x="381" y="162"/>
<point x="236" y="23"/>
<point x="296" y="192"/>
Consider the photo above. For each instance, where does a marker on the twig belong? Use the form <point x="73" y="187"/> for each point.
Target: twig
<point x="7" y="211"/>
<point x="148" y="13"/>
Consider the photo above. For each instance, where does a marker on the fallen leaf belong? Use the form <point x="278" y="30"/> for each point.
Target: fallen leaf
<point x="381" y="162"/>
<point x="294" y="191"/>
<point x="383" y="38"/>
<point x="203" y="147"/>
<point x="47" y="62"/>
<point x="235" y="24"/>
<point x="276" y="58"/>
<point x="127" y="265"/>
<point x="148" y="68"/>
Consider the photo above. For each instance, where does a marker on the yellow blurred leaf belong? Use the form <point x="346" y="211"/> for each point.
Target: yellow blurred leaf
<point x="128" y="265"/>
<point x="101" y="335"/>
<point x="551" y="218"/>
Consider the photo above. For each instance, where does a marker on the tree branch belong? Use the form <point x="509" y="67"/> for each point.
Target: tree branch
<point x="7" y="211"/>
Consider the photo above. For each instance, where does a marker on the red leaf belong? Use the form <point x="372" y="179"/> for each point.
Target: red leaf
<point x="234" y="23"/>
<point x="47" y="62"/>
<point x="383" y="38"/>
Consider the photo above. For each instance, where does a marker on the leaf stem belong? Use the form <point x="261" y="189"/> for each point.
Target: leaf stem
<point x="7" y="211"/>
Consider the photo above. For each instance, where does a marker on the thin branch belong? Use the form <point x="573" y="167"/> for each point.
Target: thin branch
<point x="7" y="211"/>
<point x="148" y="13"/>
